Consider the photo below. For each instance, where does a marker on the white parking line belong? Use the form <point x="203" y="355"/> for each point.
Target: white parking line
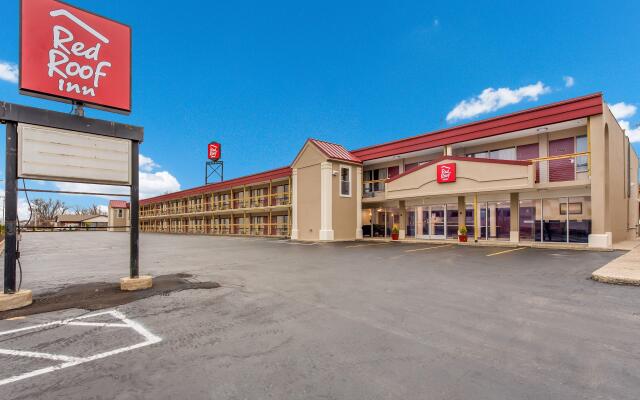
<point x="69" y="361"/>
<point x="366" y="244"/>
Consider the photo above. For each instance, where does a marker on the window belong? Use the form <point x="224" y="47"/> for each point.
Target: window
<point x="120" y="214"/>
<point x="345" y="181"/>
<point x="582" y="163"/>
<point x="503" y="154"/>
<point x="500" y="154"/>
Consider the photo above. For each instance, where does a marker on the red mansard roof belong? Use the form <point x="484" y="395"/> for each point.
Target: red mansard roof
<point x="335" y="151"/>
<point x="118" y="204"/>
<point x="243" y="180"/>
<point x="567" y="110"/>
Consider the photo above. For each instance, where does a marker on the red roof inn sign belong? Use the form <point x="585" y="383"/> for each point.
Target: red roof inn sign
<point x="446" y="173"/>
<point x="75" y="56"/>
<point x="214" y="151"/>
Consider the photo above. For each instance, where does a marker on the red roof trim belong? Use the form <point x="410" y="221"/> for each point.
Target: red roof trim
<point x="566" y="110"/>
<point x="118" y="204"/>
<point x="335" y="151"/>
<point x="214" y="187"/>
<point x="456" y="158"/>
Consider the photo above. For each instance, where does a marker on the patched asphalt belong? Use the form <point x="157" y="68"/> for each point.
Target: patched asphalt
<point x="332" y="321"/>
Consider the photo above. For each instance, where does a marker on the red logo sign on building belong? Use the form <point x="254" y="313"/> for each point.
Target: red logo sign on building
<point x="214" y="151"/>
<point x="73" y="55"/>
<point x="446" y="173"/>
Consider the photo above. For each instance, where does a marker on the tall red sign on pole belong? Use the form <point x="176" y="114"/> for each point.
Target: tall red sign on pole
<point x="215" y="151"/>
<point x="72" y="55"/>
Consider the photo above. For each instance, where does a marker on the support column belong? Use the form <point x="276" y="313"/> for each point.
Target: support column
<point x="358" y="202"/>
<point x="326" y="210"/>
<point x="601" y="235"/>
<point x="514" y="215"/>
<point x="402" y="228"/>
<point x="11" y="208"/>
<point x="294" y="204"/>
<point x="448" y="150"/>
<point x="476" y="219"/>
<point x="462" y="212"/>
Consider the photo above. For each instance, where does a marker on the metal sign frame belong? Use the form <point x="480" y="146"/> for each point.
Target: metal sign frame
<point x="12" y="115"/>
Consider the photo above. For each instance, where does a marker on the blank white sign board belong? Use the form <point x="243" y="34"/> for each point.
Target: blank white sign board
<point x="62" y="155"/>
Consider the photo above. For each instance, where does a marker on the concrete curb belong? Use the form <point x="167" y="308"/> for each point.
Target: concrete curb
<point x="624" y="270"/>
<point x="559" y="246"/>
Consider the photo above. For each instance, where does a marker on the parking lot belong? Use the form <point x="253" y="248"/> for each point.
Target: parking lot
<point x="352" y="320"/>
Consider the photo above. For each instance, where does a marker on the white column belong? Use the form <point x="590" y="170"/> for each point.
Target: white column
<point x="294" y="204"/>
<point x="326" y="211"/>
<point x="359" y="203"/>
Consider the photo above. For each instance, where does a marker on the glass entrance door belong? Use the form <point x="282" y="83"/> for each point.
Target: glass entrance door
<point x="434" y="222"/>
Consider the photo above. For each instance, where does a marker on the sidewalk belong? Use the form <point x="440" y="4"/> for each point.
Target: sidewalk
<point x="624" y="269"/>
<point x="495" y="243"/>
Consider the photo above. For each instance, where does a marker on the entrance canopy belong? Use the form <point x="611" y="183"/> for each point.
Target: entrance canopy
<point x="450" y="175"/>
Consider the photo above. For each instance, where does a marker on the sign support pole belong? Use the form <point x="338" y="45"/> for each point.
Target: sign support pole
<point x="11" y="208"/>
<point x="134" y="212"/>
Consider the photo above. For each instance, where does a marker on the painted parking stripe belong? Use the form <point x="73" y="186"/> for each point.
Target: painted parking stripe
<point x="366" y="244"/>
<point x="505" y="251"/>
<point x="69" y="361"/>
<point x="428" y="248"/>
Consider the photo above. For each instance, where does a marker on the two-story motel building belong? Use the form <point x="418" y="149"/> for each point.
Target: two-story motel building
<point x="562" y="173"/>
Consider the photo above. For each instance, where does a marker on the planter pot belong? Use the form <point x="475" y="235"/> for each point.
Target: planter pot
<point x="462" y="238"/>
<point x="394" y="236"/>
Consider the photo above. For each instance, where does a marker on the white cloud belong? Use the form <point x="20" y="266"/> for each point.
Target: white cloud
<point x="568" y="81"/>
<point x="104" y="209"/>
<point x="632" y="133"/>
<point x="152" y="183"/>
<point x="147" y="164"/>
<point x="494" y="99"/>
<point x="8" y="72"/>
<point x="622" y="110"/>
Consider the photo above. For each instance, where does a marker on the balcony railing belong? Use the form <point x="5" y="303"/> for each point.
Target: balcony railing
<point x="264" y="229"/>
<point x="250" y="202"/>
<point x="369" y="188"/>
<point x="562" y="168"/>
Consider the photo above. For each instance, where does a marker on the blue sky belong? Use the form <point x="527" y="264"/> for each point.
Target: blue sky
<point x="261" y="77"/>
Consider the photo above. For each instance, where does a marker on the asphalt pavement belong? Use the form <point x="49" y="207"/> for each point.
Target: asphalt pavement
<point x="348" y="320"/>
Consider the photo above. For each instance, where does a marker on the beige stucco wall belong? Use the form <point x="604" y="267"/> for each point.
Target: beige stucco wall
<point x="471" y="177"/>
<point x="114" y="221"/>
<point x="344" y="208"/>
<point x="307" y="164"/>
<point x="619" y="196"/>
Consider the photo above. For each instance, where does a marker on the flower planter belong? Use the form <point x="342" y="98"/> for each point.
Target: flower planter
<point x="394" y="236"/>
<point x="462" y="238"/>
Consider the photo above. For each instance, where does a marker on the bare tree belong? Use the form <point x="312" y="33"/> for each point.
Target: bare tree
<point x="93" y="209"/>
<point x="46" y="211"/>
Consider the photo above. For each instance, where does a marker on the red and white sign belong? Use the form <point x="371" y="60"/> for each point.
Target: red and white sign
<point x="73" y="55"/>
<point x="214" y="151"/>
<point x="446" y="173"/>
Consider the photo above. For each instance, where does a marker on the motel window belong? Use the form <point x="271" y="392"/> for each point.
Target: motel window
<point x="582" y="164"/>
<point x="345" y="181"/>
<point x="503" y="154"/>
<point x="500" y="154"/>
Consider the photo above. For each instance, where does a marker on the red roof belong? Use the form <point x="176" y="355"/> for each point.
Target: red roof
<point x="244" y="180"/>
<point x="458" y="158"/>
<point x="335" y="151"/>
<point x="118" y="204"/>
<point x="567" y="110"/>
